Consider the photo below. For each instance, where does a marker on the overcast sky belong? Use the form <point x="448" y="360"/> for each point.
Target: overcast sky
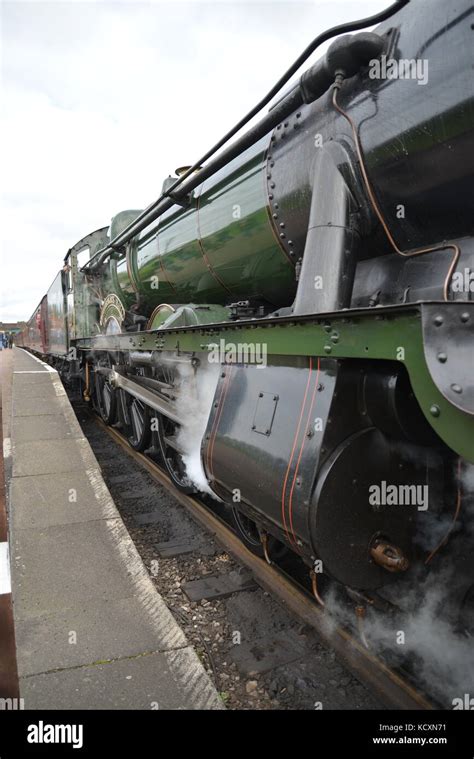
<point x="102" y="100"/>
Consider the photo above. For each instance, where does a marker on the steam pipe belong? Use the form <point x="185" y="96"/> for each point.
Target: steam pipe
<point x="329" y="259"/>
<point x="360" y="615"/>
<point x="314" y="586"/>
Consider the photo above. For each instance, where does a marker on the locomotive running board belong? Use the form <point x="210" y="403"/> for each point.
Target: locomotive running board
<point x="390" y="333"/>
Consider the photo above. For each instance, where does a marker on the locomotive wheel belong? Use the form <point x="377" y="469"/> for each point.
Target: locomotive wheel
<point x="167" y="431"/>
<point x="104" y="398"/>
<point x="134" y="416"/>
<point x="249" y="534"/>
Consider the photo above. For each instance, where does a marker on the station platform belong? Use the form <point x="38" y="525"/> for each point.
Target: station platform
<point x="92" y="632"/>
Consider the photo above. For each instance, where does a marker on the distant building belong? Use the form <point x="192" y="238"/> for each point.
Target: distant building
<point x="12" y="327"/>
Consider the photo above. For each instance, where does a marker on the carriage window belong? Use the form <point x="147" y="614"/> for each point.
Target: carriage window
<point x="83" y="257"/>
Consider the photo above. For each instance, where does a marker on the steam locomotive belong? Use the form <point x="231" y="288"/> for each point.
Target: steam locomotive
<point x="291" y="323"/>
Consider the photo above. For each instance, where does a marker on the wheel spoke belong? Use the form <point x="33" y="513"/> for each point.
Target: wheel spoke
<point x="124" y="408"/>
<point x="248" y="528"/>
<point x="137" y="418"/>
<point x="170" y="456"/>
<point x="107" y="392"/>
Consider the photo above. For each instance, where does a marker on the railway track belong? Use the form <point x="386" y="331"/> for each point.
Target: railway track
<point x="390" y="687"/>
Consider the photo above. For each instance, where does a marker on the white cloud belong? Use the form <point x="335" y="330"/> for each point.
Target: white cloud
<point x="102" y="100"/>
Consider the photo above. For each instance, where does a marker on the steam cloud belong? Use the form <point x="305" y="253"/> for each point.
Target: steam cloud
<point x="440" y="653"/>
<point x="194" y="406"/>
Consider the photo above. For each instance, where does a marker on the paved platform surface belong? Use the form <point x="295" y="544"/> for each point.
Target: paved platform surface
<point x="92" y="632"/>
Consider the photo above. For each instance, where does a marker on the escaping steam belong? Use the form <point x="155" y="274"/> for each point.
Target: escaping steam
<point x="426" y="633"/>
<point x="194" y="406"/>
<point x="440" y="658"/>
